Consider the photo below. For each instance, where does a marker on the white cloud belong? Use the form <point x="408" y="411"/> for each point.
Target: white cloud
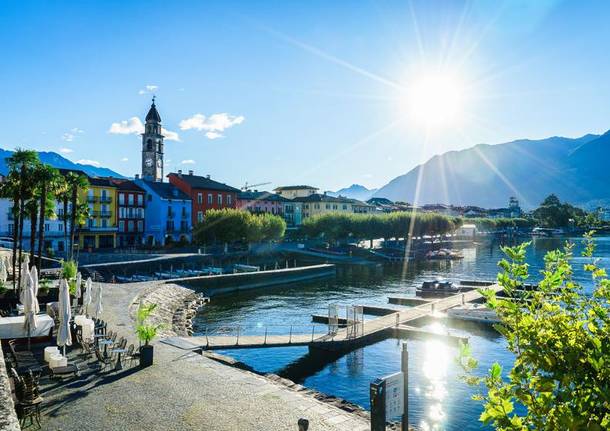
<point x="76" y="130"/>
<point x="88" y="162"/>
<point x="188" y="162"/>
<point x="124" y="159"/>
<point x="213" y="125"/>
<point x="213" y="135"/>
<point x="135" y="126"/>
<point x="127" y="127"/>
<point x="68" y="137"/>
<point x="169" y="135"/>
<point x="65" y="150"/>
<point x="148" y="89"/>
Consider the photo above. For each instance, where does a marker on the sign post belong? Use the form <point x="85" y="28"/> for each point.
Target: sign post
<point x="404" y="366"/>
<point x="390" y="396"/>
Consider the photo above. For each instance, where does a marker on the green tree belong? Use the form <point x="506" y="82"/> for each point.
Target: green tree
<point x="555" y="214"/>
<point x="21" y="164"/>
<point x="560" y="337"/>
<point x="78" y="210"/>
<point x="49" y="183"/>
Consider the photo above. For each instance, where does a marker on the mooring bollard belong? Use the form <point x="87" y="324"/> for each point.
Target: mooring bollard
<point x="237" y="342"/>
<point x="303" y="424"/>
<point x="265" y="342"/>
<point x="290" y="339"/>
<point x="397" y="319"/>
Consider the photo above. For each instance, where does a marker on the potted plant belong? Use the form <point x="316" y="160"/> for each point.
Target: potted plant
<point x="146" y="332"/>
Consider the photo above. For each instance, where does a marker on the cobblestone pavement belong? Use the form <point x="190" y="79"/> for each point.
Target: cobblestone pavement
<point x="181" y="391"/>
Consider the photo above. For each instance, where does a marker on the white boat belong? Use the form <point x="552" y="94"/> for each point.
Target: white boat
<point x="474" y="313"/>
<point x="546" y="232"/>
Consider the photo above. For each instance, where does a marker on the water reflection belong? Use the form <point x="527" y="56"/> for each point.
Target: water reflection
<point x="434" y="368"/>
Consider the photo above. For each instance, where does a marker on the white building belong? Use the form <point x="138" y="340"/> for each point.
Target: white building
<point x="54" y="237"/>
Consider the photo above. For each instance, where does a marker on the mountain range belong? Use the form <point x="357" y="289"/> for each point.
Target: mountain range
<point x="58" y="161"/>
<point x="355" y="191"/>
<point x="575" y="169"/>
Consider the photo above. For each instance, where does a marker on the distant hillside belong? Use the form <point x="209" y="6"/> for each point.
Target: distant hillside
<point x="487" y="175"/>
<point x="59" y="161"/>
<point x="355" y="191"/>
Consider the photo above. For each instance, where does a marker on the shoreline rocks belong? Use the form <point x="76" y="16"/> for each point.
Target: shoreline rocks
<point x="176" y="307"/>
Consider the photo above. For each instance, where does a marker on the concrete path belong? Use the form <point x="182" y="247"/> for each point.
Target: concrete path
<point x="182" y="391"/>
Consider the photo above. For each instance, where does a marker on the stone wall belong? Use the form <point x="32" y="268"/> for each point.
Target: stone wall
<point x="176" y="306"/>
<point x="8" y="417"/>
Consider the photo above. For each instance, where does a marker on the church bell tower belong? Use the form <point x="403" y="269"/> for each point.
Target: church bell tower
<point x="152" y="146"/>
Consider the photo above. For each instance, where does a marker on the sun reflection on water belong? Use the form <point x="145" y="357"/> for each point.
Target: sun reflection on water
<point x="437" y="356"/>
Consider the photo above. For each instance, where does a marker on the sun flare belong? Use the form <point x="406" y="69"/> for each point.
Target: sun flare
<point x="435" y="99"/>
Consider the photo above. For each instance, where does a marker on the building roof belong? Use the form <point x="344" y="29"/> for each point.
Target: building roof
<point x="64" y="172"/>
<point x="317" y="197"/>
<point x="261" y="196"/>
<point x="102" y="181"/>
<point x="153" y="114"/>
<point x="166" y="190"/>
<point x="199" y="182"/>
<point x="127" y="185"/>
<point x="294" y="188"/>
<point x="380" y="201"/>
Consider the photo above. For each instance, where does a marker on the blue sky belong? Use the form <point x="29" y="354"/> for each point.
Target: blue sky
<point x="316" y="92"/>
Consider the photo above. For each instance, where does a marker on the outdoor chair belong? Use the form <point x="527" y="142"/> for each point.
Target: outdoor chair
<point x="104" y="361"/>
<point x="23" y="360"/>
<point x="28" y="397"/>
<point x="132" y="355"/>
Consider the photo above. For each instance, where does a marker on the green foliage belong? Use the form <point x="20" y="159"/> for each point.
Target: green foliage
<point x="44" y="284"/>
<point x="337" y="226"/>
<point x="486" y="224"/>
<point x="560" y="337"/>
<point x="553" y="213"/>
<point x="231" y="225"/>
<point x="3" y="288"/>
<point x="146" y="332"/>
<point x="68" y="269"/>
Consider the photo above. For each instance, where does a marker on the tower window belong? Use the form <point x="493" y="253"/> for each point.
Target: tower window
<point x="149" y="144"/>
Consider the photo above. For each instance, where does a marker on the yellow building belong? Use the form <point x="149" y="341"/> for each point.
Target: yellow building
<point x="316" y="204"/>
<point x="293" y="192"/>
<point x="100" y="230"/>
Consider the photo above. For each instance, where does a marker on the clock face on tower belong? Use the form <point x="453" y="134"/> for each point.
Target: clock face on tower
<point x="148" y="162"/>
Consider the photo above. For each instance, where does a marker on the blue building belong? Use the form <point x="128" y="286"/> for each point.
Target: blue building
<point x="168" y="213"/>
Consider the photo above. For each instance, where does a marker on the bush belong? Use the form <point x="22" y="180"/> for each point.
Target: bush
<point x="145" y="332"/>
<point x="560" y="336"/>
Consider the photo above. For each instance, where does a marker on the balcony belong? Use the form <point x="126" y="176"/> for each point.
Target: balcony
<point x="171" y="214"/>
<point x="106" y="199"/>
<point x="98" y="229"/>
<point x="92" y="199"/>
<point x="103" y="214"/>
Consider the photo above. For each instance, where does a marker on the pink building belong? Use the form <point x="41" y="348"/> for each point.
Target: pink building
<point x="261" y="202"/>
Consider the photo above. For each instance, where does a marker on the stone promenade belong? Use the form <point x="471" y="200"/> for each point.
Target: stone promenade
<point x="182" y="391"/>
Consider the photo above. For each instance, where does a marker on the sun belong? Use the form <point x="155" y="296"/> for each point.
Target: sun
<point x="435" y="99"/>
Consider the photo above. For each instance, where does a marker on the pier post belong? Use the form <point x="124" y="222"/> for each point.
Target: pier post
<point x="404" y="365"/>
<point x="290" y="339"/>
<point x="265" y="342"/>
<point x="377" y="398"/>
<point x="463" y="298"/>
<point x="237" y="342"/>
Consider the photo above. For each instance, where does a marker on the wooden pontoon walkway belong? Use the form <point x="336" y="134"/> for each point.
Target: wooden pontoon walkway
<point x="344" y="338"/>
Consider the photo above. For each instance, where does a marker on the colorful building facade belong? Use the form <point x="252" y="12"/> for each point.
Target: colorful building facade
<point x="204" y="193"/>
<point x="100" y="230"/>
<point x="167" y="212"/>
<point x="130" y="214"/>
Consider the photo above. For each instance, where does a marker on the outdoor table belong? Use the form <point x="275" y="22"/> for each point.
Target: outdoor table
<point x="57" y="360"/>
<point x="105" y="343"/>
<point x="13" y="327"/>
<point x="118" y="365"/>
<point x="49" y="351"/>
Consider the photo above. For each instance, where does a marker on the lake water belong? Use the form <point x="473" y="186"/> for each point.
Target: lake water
<point x="438" y="399"/>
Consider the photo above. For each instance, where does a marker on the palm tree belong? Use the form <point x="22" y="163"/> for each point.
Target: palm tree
<point x="31" y="208"/>
<point x="10" y="190"/>
<point x="50" y="182"/>
<point x="21" y="163"/>
<point x="76" y="182"/>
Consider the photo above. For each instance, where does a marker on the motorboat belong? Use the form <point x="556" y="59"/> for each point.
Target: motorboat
<point x="437" y="287"/>
<point x="474" y="313"/>
<point x="546" y="232"/>
<point x="444" y="254"/>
